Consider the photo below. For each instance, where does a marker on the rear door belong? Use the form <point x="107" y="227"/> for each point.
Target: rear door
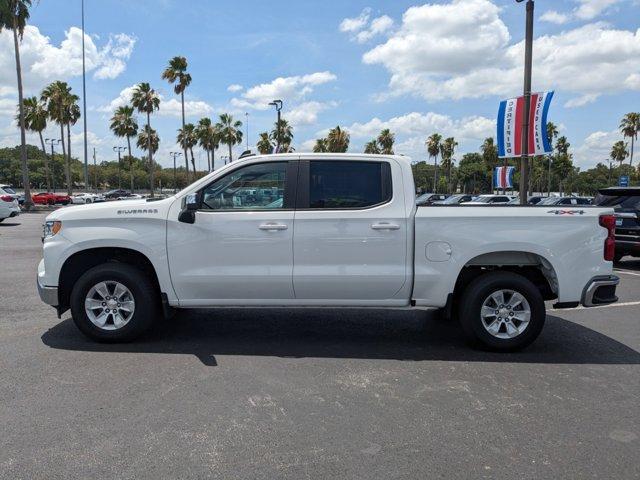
<point x="350" y="240"/>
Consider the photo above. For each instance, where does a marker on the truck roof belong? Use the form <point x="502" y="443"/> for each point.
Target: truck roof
<point x="332" y="156"/>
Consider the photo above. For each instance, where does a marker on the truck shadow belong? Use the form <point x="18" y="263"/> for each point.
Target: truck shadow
<point x="365" y="334"/>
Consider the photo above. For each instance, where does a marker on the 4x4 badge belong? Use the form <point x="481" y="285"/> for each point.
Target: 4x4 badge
<point x="566" y="212"/>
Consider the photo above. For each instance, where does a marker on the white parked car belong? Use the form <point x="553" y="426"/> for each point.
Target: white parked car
<point x="9" y="206"/>
<point x="9" y="190"/>
<point x="489" y="199"/>
<point x="84" y="198"/>
<point x="347" y="233"/>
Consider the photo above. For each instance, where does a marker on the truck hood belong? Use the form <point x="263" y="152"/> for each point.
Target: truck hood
<point x="115" y="209"/>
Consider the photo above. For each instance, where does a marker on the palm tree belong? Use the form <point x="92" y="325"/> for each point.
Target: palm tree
<point x="386" y="139"/>
<point x="148" y="139"/>
<point x="188" y="139"/>
<point x="321" y="146"/>
<point x="35" y="120"/>
<point x="71" y="116"/>
<point x="338" y="140"/>
<point x="55" y="96"/>
<point x="230" y="132"/>
<point x="209" y="139"/>
<point x="145" y="99"/>
<point x="264" y="144"/>
<point x="433" y="148"/>
<point x="447" y="149"/>
<point x="372" y="147"/>
<point x="562" y="145"/>
<point x="552" y="134"/>
<point x="176" y="73"/>
<point x="619" y="152"/>
<point x="286" y="134"/>
<point x="630" y="127"/>
<point x="123" y="124"/>
<point x="13" y="16"/>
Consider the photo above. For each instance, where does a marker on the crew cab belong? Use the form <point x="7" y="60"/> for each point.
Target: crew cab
<point x="323" y="230"/>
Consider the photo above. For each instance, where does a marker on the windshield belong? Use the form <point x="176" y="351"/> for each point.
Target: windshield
<point x="424" y="197"/>
<point x="548" y="201"/>
<point x="8" y="190"/>
<point x="482" y="199"/>
<point x="619" y="201"/>
<point x="452" y="199"/>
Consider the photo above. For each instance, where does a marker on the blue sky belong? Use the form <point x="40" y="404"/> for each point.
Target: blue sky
<point x="365" y="65"/>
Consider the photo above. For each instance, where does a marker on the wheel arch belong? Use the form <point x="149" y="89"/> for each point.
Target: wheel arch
<point x="534" y="266"/>
<point x="78" y="263"/>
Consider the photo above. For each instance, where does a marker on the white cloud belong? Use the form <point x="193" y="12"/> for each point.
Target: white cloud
<point x="168" y="108"/>
<point x="8" y="107"/>
<point x="306" y="113"/>
<point x="453" y="51"/>
<point x="192" y="108"/>
<point x="424" y="124"/>
<point x="357" y="23"/>
<point x="288" y="89"/>
<point x="595" y="148"/>
<point x="362" y="30"/>
<point x="234" y="88"/>
<point x="552" y="16"/>
<point x="590" y="9"/>
<point x="581" y="101"/>
<point x="43" y="61"/>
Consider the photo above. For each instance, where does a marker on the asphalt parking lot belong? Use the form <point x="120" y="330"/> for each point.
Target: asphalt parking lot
<point x="266" y="394"/>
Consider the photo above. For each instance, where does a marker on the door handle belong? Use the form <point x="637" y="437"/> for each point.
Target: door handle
<point x="273" y="226"/>
<point x="385" y="226"/>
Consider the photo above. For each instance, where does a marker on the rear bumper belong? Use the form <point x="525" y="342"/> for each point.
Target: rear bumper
<point x="600" y="291"/>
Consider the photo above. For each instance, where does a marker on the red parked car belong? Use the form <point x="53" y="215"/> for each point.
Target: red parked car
<point x="47" y="198"/>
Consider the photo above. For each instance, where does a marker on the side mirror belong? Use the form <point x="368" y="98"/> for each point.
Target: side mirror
<point x="191" y="202"/>
<point x="188" y="213"/>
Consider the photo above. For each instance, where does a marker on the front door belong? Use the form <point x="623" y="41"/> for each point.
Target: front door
<point x="350" y="240"/>
<point x="239" y="250"/>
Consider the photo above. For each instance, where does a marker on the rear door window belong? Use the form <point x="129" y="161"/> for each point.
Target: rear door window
<point x="346" y="184"/>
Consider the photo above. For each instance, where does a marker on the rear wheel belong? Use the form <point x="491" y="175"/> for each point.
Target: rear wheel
<point x="502" y="311"/>
<point x="114" y="302"/>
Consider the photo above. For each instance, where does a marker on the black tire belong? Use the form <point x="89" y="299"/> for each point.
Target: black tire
<point x="476" y="293"/>
<point x="143" y="291"/>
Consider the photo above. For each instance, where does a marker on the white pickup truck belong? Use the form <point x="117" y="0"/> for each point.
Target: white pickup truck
<point x="323" y="230"/>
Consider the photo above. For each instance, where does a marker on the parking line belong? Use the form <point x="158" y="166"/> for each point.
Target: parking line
<point x="621" y="304"/>
<point x="627" y="272"/>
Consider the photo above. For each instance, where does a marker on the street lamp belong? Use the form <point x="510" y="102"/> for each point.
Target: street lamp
<point x="119" y="149"/>
<point x="278" y="105"/>
<point x="528" y="51"/>
<point x="246" y="125"/>
<point x="175" y="175"/>
<point x="52" y="142"/>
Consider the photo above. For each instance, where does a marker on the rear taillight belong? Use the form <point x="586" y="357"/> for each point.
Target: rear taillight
<point x="6" y="198"/>
<point x="609" y="222"/>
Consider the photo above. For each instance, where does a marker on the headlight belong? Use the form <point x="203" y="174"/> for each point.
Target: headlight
<point x="50" y="228"/>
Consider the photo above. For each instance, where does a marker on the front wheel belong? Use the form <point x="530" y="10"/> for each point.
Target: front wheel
<point x="502" y="311"/>
<point x="114" y="302"/>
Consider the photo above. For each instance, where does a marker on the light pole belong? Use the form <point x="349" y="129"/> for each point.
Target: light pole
<point x="175" y="174"/>
<point x="528" y="51"/>
<point x="52" y="142"/>
<point x="278" y="105"/>
<point x="84" y="107"/>
<point x="95" y="170"/>
<point x="119" y="149"/>
<point x="246" y="125"/>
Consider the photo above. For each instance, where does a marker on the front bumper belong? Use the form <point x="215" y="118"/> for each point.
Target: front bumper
<point x="600" y="291"/>
<point x="48" y="295"/>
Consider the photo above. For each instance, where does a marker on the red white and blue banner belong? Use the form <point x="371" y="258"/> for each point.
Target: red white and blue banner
<point x="510" y="120"/>
<point x="503" y="177"/>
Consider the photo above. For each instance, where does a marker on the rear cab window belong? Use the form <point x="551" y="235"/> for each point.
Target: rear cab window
<point x="346" y="184"/>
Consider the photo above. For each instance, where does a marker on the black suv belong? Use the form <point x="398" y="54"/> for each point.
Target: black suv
<point x="626" y="203"/>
